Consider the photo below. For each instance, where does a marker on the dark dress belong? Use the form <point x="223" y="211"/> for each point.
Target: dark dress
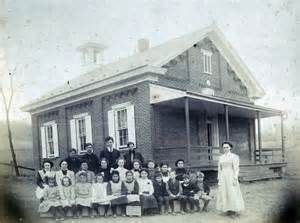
<point x="111" y="157"/>
<point x="92" y="161"/>
<point x="106" y="174"/>
<point x="73" y="163"/>
<point x="130" y="156"/>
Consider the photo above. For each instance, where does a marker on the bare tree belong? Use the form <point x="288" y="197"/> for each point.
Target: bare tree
<point x="7" y="100"/>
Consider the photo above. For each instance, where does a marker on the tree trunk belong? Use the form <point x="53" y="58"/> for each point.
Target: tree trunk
<point x="11" y="145"/>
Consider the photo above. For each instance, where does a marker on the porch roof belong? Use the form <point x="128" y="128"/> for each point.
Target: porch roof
<point x="215" y="105"/>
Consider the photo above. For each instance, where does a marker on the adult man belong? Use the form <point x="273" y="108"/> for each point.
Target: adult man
<point x="90" y="158"/>
<point x="110" y="153"/>
<point x="73" y="161"/>
<point x="132" y="155"/>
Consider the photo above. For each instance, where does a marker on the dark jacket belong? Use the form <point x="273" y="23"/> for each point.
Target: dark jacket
<point x="73" y="163"/>
<point x="105" y="173"/>
<point x="189" y="189"/>
<point x="92" y="161"/>
<point x="174" y="187"/>
<point x="160" y="190"/>
<point x="126" y="191"/>
<point x="130" y="156"/>
<point x="179" y="173"/>
<point x="111" y="157"/>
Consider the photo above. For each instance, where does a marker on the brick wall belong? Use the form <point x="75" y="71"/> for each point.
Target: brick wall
<point x="186" y="72"/>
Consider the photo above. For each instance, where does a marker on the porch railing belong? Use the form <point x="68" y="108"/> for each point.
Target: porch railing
<point x="200" y="155"/>
<point x="271" y="155"/>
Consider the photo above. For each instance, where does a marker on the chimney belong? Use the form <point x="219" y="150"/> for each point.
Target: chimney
<point x="143" y="45"/>
<point x="91" y="55"/>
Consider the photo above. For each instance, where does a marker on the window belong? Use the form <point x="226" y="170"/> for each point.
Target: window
<point x="122" y="127"/>
<point x="121" y="124"/>
<point x="81" y="131"/>
<point x="206" y="61"/>
<point x="49" y="140"/>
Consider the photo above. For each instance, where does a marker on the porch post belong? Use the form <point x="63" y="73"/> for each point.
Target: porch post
<point x="187" y="125"/>
<point x="259" y="134"/>
<point x="226" y="121"/>
<point x="282" y="137"/>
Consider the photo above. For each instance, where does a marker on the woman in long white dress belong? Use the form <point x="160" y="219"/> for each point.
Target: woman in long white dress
<point x="229" y="197"/>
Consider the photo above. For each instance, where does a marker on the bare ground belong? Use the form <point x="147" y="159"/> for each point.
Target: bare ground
<point x="263" y="201"/>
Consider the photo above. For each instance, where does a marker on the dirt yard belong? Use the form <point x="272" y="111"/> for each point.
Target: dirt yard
<point x="263" y="200"/>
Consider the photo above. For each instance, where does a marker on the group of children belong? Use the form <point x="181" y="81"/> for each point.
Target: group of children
<point x="153" y="189"/>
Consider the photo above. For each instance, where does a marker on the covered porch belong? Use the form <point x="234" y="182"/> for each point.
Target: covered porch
<point x="192" y="126"/>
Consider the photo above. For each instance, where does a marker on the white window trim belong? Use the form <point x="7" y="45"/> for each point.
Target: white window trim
<point x="54" y="126"/>
<point x="82" y="115"/>
<point x="207" y="53"/>
<point x="115" y="109"/>
<point x="76" y="136"/>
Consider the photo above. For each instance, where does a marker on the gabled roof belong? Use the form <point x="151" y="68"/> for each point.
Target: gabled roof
<point x="157" y="57"/>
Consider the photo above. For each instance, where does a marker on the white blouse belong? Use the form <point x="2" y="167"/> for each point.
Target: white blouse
<point x="145" y="185"/>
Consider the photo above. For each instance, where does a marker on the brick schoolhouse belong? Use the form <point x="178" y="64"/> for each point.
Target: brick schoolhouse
<point x="180" y="99"/>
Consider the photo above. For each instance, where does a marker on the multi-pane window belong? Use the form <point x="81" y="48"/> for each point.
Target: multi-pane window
<point x="49" y="140"/>
<point x="121" y="124"/>
<point x="122" y="127"/>
<point x="207" y="61"/>
<point x="81" y="133"/>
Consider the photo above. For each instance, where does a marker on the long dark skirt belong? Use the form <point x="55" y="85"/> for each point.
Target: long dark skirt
<point x="148" y="202"/>
<point x="119" y="200"/>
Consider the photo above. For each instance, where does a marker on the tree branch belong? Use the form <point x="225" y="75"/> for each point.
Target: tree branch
<point x="11" y="93"/>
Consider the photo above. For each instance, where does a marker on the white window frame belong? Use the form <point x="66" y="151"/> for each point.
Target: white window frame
<point x="207" y="57"/>
<point x="130" y="124"/>
<point x="75" y="131"/>
<point x="45" y="140"/>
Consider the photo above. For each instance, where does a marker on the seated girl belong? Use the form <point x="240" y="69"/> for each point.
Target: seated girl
<point x="99" y="195"/>
<point x="174" y="190"/>
<point x="114" y="191"/>
<point x="161" y="193"/>
<point x="164" y="170"/>
<point x="204" y="190"/>
<point x="136" y="169"/>
<point x="148" y="201"/>
<point x="151" y="169"/>
<point x="67" y="194"/>
<point x="130" y="188"/>
<point x="51" y="200"/>
<point x="189" y="190"/>
<point x="83" y="193"/>
<point x="122" y="171"/>
<point x="104" y="170"/>
<point x="85" y="168"/>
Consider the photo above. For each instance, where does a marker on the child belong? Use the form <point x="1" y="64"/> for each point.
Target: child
<point x="136" y="169"/>
<point x="164" y="169"/>
<point x="180" y="170"/>
<point x="130" y="188"/>
<point x="148" y="201"/>
<point x="83" y="192"/>
<point x="99" y="195"/>
<point x="122" y="171"/>
<point x="151" y="169"/>
<point x="174" y="190"/>
<point x="204" y="190"/>
<point x="51" y="201"/>
<point x="104" y="170"/>
<point x="114" y="191"/>
<point x="161" y="193"/>
<point x="67" y="195"/>
<point x="85" y="168"/>
<point x="189" y="190"/>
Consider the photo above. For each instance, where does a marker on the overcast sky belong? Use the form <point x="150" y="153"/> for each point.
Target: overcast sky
<point x="42" y="36"/>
